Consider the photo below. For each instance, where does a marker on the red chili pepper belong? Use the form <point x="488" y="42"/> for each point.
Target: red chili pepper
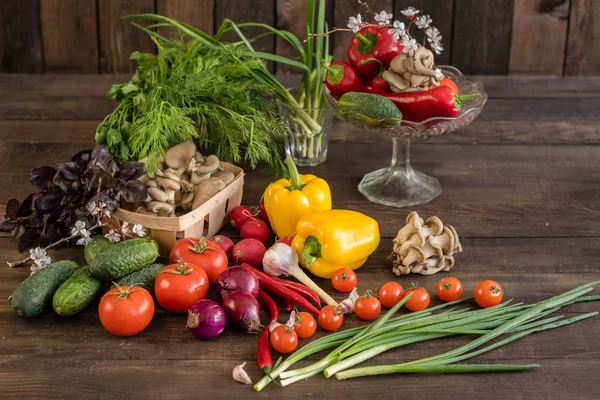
<point x="342" y="78"/>
<point x="424" y="104"/>
<point x="379" y="86"/>
<point x="270" y="285"/>
<point x="289" y="306"/>
<point x="373" y="42"/>
<point x="300" y="289"/>
<point x="263" y="354"/>
<point x="287" y="240"/>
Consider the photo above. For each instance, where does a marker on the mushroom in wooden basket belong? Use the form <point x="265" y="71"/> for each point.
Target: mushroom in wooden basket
<point x="189" y="195"/>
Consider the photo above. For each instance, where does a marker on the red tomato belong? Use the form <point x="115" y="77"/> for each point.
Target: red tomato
<point x="419" y="300"/>
<point x="201" y="252"/>
<point x="449" y="289"/>
<point x="344" y="280"/>
<point x="284" y="340"/>
<point x="305" y="325"/>
<point x="488" y="293"/>
<point x="390" y="294"/>
<point x="126" y="310"/>
<point x="367" y="307"/>
<point x="178" y="286"/>
<point x="331" y="318"/>
<point x="450" y="83"/>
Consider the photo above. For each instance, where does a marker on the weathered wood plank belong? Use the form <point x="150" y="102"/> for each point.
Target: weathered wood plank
<point x="441" y="12"/>
<point x="69" y="36"/>
<point x="539" y="38"/>
<point x="198" y="13"/>
<point x="118" y="38"/>
<point x="20" y="36"/>
<point x="481" y="41"/>
<point x="583" y="48"/>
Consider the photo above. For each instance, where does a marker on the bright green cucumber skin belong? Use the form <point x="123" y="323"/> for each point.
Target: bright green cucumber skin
<point x="34" y="294"/>
<point x="368" y="104"/>
<point x="76" y="293"/>
<point x="124" y="258"/>
<point x="144" y="277"/>
<point x="93" y="248"/>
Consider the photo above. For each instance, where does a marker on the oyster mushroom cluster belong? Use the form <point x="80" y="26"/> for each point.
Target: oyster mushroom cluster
<point x="185" y="179"/>
<point x="424" y="247"/>
<point x="410" y="73"/>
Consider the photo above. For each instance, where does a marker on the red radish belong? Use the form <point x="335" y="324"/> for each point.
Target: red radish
<point x="239" y="216"/>
<point x="223" y="242"/>
<point x="255" y="229"/>
<point x="262" y="212"/>
<point x="242" y="310"/>
<point x="287" y="240"/>
<point x="249" y="251"/>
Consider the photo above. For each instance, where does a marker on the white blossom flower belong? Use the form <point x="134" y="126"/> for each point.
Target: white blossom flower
<point x="113" y="236"/>
<point x="436" y="47"/>
<point x="397" y="29"/>
<point x="383" y="18"/>
<point x="84" y="240"/>
<point x="138" y="230"/>
<point x="409" y="45"/>
<point x="433" y="34"/>
<point x="40" y="259"/>
<point x="410" y="11"/>
<point x="355" y="23"/>
<point x="79" y="229"/>
<point x="98" y="209"/>
<point x="423" y="21"/>
<point x="125" y="231"/>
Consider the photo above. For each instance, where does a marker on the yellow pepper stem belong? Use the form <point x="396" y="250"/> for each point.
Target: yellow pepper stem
<point x="295" y="183"/>
<point x="311" y="250"/>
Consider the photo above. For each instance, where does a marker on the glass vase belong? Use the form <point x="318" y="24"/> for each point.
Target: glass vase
<point x="307" y="135"/>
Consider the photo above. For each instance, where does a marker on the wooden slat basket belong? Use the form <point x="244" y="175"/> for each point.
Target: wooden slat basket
<point x="205" y="220"/>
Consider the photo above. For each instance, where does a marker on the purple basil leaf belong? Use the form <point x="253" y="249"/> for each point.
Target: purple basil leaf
<point x="134" y="191"/>
<point x="131" y="170"/>
<point x="36" y="221"/>
<point x="82" y="158"/>
<point x="27" y="239"/>
<point x="41" y="177"/>
<point x="100" y="156"/>
<point x="26" y="207"/>
<point x="7" y="226"/>
<point x="70" y="171"/>
<point x="11" y="209"/>
<point x="46" y="203"/>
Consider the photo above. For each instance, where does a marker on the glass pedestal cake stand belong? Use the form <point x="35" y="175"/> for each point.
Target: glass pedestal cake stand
<point x="399" y="185"/>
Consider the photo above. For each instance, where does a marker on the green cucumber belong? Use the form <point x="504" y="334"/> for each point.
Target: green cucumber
<point x="144" y="277"/>
<point x="34" y="294"/>
<point x="124" y="258"/>
<point x="94" y="247"/>
<point x="378" y="110"/>
<point x="76" y="293"/>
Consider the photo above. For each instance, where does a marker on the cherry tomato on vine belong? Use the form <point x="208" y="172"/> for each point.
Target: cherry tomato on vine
<point x="305" y="325"/>
<point x="449" y="289"/>
<point x="331" y="318"/>
<point x="419" y="300"/>
<point x="284" y="340"/>
<point x="126" y="310"/>
<point x="488" y="293"/>
<point x="344" y="280"/>
<point x="390" y="294"/>
<point x="178" y="286"/>
<point x="367" y="307"/>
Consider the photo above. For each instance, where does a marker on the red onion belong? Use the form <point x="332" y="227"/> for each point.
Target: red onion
<point x="242" y="310"/>
<point x="206" y="319"/>
<point x="236" y="278"/>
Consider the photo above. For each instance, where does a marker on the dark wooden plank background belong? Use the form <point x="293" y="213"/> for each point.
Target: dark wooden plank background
<point x="550" y="37"/>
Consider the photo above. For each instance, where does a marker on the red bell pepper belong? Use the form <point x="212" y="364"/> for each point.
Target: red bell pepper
<point x="438" y="102"/>
<point x="342" y="78"/>
<point x="375" y="43"/>
<point x="379" y="86"/>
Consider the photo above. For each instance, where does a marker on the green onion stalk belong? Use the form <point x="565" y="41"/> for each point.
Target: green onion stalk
<point x="354" y="346"/>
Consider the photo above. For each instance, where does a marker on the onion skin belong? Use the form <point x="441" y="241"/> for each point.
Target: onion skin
<point x="206" y="319"/>
<point x="234" y="279"/>
<point x="243" y="310"/>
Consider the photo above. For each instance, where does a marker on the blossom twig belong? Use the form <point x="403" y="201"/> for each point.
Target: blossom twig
<point x="366" y="6"/>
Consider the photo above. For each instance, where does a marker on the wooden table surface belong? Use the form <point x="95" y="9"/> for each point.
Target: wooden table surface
<point x="521" y="185"/>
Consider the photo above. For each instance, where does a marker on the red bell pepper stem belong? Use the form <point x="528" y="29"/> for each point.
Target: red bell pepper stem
<point x="270" y="285"/>
<point x="263" y="354"/>
<point x="458" y="100"/>
<point x="289" y="306"/>
<point x="300" y="289"/>
<point x="363" y="39"/>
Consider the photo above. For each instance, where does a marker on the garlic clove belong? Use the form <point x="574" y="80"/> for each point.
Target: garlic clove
<point x="240" y="375"/>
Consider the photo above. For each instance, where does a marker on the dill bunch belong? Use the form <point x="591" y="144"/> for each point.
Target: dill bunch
<point x="189" y="92"/>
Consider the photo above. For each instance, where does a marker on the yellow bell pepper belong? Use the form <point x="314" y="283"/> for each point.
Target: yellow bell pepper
<point x="329" y="240"/>
<point x="288" y="200"/>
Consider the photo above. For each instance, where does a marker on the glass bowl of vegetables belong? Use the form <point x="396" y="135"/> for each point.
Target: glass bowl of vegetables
<point x="399" y="185"/>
